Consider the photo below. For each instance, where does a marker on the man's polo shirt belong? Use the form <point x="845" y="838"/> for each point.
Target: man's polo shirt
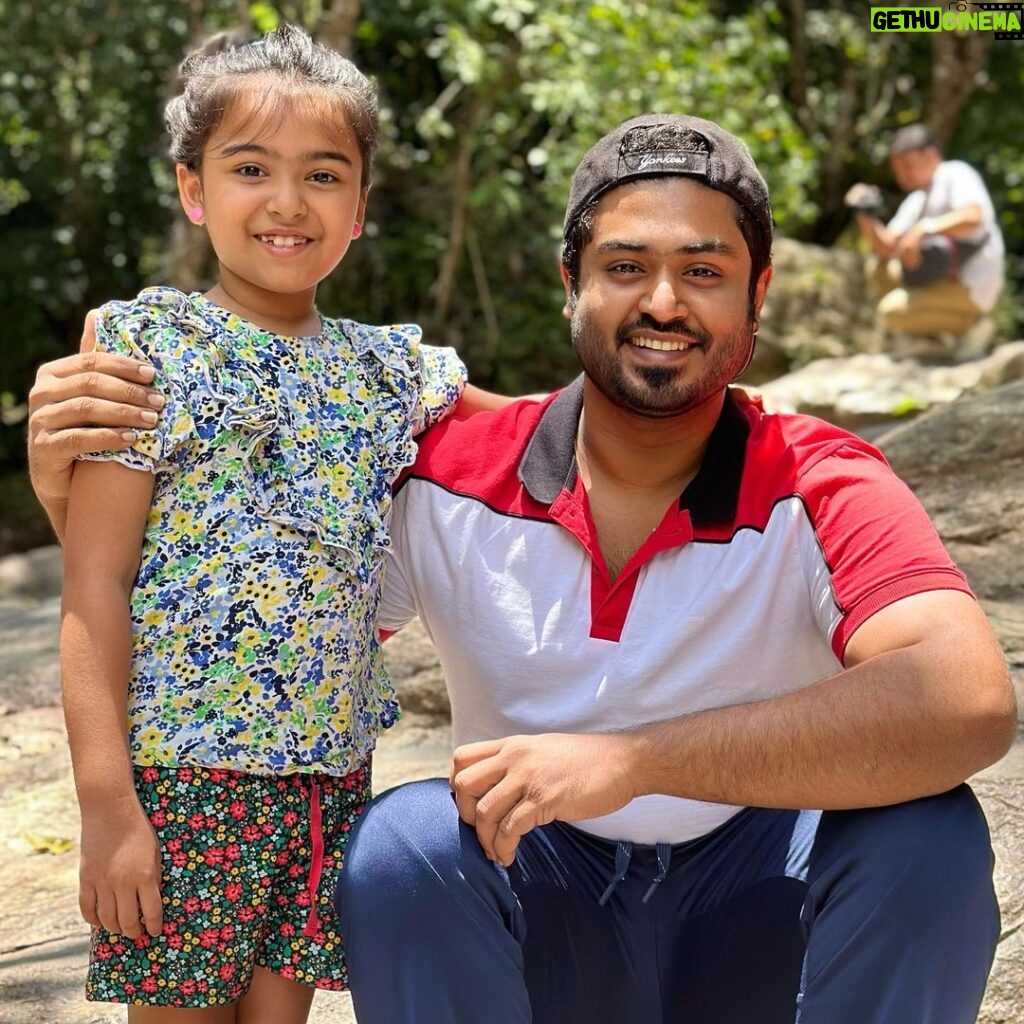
<point x="790" y="536"/>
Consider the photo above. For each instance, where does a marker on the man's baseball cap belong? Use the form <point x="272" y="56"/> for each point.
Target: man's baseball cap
<point x="654" y="145"/>
<point x="911" y="138"/>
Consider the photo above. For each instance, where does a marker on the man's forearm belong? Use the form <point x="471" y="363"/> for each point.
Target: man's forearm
<point x="58" y="516"/>
<point x="956" y="223"/>
<point x="926" y="702"/>
<point x="893" y="728"/>
<point x="879" y="237"/>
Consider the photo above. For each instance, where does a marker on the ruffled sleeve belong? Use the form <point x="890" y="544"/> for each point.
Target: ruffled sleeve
<point x="443" y="379"/>
<point x="416" y="385"/>
<point x="429" y="379"/>
<point x="156" y="327"/>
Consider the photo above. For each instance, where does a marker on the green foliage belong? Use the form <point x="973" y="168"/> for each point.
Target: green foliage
<point x="265" y="17"/>
<point x="526" y="88"/>
<point x="989" y="134"/>
<point x="487" y="105"/>
<point x="81" y="91"/>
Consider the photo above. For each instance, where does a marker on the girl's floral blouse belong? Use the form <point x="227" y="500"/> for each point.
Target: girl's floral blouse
<point x="253" y="613"/>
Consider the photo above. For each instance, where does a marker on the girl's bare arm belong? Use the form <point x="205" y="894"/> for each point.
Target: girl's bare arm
<point x="120" y="866"/>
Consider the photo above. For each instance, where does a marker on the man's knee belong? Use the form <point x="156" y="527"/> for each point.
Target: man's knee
<point x="882" y="276"/>
<point x="895" y="304"/>
<point x="931" y="856"/>
<point x="902" y="916"/>
<point x="400" y="835"/>
<point x="897" y="312"/>
<point x="413" y="869"/>
<point x="409" y="853"/>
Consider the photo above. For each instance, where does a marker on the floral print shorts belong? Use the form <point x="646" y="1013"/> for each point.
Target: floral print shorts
<point x="249" y="868"/>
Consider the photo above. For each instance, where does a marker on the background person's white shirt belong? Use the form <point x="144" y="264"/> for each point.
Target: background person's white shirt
<point x="954" y="186"/>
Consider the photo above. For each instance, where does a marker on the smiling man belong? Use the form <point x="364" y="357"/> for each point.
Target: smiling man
<point x="715" y="682"/>
<point x="673" y="629"/>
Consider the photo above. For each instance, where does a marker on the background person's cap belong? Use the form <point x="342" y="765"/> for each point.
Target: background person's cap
<point x="914" y="136"/>
<point x="654" y="145"/>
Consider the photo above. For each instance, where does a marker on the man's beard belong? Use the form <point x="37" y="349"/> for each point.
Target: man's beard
<point x="661" y="391"/>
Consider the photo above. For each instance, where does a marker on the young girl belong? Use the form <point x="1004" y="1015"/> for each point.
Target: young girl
<point x="223" y="691"/>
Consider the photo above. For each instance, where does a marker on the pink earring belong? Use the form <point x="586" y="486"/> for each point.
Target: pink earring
<point x="357" y="229"/>
<point x="195" y="214"/>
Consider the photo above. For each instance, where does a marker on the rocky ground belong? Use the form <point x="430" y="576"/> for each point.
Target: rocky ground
<point x="43" y="947"/>
<point x="966" y="462"/>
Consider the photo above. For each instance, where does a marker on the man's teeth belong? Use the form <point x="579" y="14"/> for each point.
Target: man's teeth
<point x="283" y="241"/>
<point x="661" y="346"/>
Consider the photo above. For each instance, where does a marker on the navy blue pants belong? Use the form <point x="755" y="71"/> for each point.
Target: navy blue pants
<point x="878" y="916"/>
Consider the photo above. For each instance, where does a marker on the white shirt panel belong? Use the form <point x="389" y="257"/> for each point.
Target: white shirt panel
<point x="507" y="602"/>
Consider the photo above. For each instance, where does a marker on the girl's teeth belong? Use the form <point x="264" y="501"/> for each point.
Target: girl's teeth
<point x="282" y="241"/>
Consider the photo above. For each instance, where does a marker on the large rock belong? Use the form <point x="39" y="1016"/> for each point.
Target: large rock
<point x="871" y="392"/>
<point x="816" y="309"/>
<point x="966" y="463"/>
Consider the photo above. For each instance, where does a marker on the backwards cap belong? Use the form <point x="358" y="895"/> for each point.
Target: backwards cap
<point x="910" y="138"/>
<point x="654" y="145"/>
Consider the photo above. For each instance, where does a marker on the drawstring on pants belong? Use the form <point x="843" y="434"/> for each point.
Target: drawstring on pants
<point x="623" y="856"/>
<point x="623" y="853"/>
<point x="664" y="852"/>
<point x="316" y="842"/>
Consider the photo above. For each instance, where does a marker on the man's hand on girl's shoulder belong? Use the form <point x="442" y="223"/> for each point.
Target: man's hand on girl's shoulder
<point x="89" y="402"/>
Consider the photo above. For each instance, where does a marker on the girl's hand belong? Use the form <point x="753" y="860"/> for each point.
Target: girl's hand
<point x="119" y="878"/>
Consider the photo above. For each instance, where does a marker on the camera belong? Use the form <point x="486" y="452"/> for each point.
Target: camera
<point x="864" y="198"/>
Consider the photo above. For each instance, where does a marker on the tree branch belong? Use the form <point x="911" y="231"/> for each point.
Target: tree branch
<point x="483" y="292"/>
<point x="956" y="66"/>
<point x="457" y="223"/>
